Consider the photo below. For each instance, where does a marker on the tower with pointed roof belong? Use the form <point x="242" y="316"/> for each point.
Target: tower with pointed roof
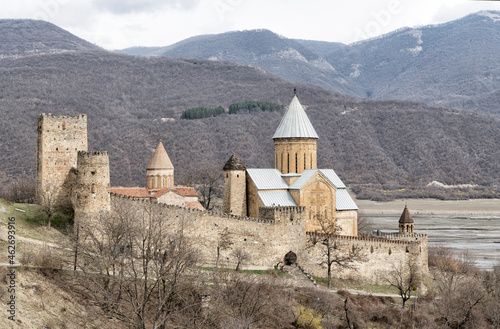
<point x="234" y="200"/>
<point x="406" y="222"/>
<point x="295" y="141"/>
<point x="160" y="171"/>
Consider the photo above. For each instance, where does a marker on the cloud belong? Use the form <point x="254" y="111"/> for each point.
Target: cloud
<point x="120" y="7"/>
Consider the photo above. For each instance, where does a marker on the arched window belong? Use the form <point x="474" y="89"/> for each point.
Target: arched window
<point x="296" y="164"/>
<point x="288" y="163"/>
<point x="304" y="161"/>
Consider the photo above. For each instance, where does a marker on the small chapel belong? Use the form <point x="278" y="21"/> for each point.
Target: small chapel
<point x="160" y="184"/>
<point x="295" y="179"/>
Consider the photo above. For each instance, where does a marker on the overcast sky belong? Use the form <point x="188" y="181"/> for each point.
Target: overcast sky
<point x="117" y="24"/>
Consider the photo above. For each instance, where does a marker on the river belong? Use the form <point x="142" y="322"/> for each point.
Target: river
<point x="480" y="235"/>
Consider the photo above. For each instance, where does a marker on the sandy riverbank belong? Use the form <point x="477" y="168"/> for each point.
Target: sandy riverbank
<point x="474" y="207"/>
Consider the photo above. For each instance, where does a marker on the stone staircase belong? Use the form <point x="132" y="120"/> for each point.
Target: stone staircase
<point x="300" y="277"/>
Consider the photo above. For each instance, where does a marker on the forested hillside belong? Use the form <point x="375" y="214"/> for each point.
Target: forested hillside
<point x="131" y="101"/>
<point x="451" y="65"/>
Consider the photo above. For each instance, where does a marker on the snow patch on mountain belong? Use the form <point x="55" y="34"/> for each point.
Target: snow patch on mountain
<point x="418" y="48"/>
<point x="356" y="72"/>
<point x="493" y="16"/>
<point x="289" y="53"/>
<point x="321" y="64"/>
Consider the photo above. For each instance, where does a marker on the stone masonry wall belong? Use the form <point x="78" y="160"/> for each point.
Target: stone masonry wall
<point x="59" y="138"/>
<point x="280" y="230"/>
<point x="266" y="240"/>
<point x="91" y="192"/>
<point x="378" y="256"/>
<point x="234" y="192"/>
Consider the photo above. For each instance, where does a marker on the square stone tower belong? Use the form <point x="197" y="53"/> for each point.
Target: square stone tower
<point x="59" y="138"/>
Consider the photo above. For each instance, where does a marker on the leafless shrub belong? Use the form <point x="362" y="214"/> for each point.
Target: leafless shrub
<point x="241" y="256"/>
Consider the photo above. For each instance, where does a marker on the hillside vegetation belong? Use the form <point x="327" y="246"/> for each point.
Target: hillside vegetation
<point x="451" y="64"/>
<point x="24" y="37"/>
<point x="131" y="101"/>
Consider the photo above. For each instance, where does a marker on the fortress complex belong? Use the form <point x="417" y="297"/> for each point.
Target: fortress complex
<point x="294" y="181"/>
<point x="69" y="176"/>
<point x="268" y="213"/>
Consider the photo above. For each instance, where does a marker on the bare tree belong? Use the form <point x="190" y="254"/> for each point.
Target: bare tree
<point x="133" y="266"/>
<point x="242" y="302"/>
<point x="365" y="225"/>
<point x="207" y="181"/>
<point x="224" y="242"/>
<point x="19" y="190"/>
<point x="334" y="255"/>
<point x="241" y="257"/>
<point x="49" y="206"/>
<point x="460" y="290"/>
<point x="405" y="278"/>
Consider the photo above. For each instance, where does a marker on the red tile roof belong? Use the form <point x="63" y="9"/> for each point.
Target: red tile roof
<point x="194" y="205"/>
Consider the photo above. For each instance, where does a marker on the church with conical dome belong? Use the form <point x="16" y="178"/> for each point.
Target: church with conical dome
<point x="295" y="179"/>
<point x="160" y="184"/>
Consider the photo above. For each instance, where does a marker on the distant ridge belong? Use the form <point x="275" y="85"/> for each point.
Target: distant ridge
<point x="26" y="37"/>
<point x="450" y="64"/>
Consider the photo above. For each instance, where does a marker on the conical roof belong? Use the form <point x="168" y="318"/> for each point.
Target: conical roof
<point x="160" y="159"/>
<point x="234" y="163"/>
<point x="295" y="123"/>
<point x="405" y="216"/>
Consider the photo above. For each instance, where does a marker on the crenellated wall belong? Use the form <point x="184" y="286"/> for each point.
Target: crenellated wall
<point x="266" y="240"/>
<point x="378" y="255"/>
<point x="282" y="229"/>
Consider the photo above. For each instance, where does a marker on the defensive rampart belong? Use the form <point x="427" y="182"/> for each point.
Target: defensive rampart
<point x="281" y="230"/>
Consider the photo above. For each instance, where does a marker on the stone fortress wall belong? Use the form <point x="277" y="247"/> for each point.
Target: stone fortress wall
<point x="282" y="229"/>
<point x="80" y="179"/>
<point x="59" y="138"/>
<point x="378" y="255"/>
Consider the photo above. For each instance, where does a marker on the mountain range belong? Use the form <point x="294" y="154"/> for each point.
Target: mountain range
<point x="132" y="101"/>
<point x="451" y="64"/>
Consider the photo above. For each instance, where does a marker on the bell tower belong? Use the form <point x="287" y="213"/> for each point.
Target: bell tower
<point x="234" y="200"/>
<point x="406" y="222"/>
<point x="295" y="141"/>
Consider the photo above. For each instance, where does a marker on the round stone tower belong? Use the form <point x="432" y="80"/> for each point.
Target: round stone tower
<point x="91" y="194"/>
<point x="160" y="171"/>
<point x="234" y="199"/>
<point x="295" y="141"/>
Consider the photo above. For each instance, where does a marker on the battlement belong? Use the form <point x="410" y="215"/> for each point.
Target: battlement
<point x="191" y="210"/>
<point x="319" y="235"/>
<point x="92" y="154"/>
<point x="281" y="214"/>
<point x="50" y="116"/>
